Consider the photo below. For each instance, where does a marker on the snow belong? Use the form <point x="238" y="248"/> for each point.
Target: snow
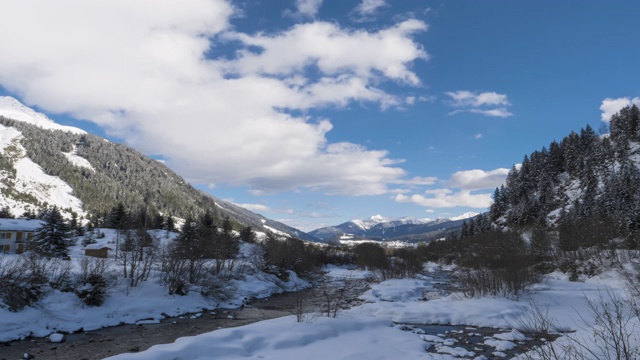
<point x="20" y="224"/>
<point x="147" y="303"/>
<point x="31" y="179"/>
<point x="366" y="331"/>
<point x="13" y="109"/>
<point x="56" y="338"/>
<point x="78" y="161"/>
<point x="397" y="290"/>
<point x="276" y="231"/>
<point x="464" y="216"/>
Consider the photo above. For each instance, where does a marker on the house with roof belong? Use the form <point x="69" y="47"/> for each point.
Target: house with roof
<point x="14" y="234"/>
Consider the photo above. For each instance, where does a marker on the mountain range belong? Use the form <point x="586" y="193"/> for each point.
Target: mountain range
<point x="378" y="227"/>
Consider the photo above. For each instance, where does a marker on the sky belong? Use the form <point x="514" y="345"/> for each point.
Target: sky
<point x="316" y="112"/>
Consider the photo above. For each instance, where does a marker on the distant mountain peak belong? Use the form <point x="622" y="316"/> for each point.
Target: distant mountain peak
<point x="464" y="216"/>
<point x="14" y="109"/>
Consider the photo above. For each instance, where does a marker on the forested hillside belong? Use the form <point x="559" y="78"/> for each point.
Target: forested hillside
<point x="103" y="174"/>
<point x="570" y="206"/>
<point x="586" y="181"/>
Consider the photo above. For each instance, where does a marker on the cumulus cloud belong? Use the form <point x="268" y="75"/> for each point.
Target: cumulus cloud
<point x="448" y="199"/>
<point x="152" y="76"/>
<point x="367" y="9"/>
<point x="611" y="106"/>
<point x="486" y="103"/>
<point x="308" y="7"/>
<point x="255" y="207"/>
<point x="469" y="188"/>
<point x="478" y="179"/>
<point x="418" y="180"/>
<point x="261" y="208"/>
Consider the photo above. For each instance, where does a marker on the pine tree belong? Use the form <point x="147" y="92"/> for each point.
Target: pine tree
<point x="53" y="238"/>
<point x="118" y="219"/>
<point x="5" y="213"/>
<point x="189" y="247"/>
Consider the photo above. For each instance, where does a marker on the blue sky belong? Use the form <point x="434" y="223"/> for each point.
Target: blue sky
<point x="316" y="112"/>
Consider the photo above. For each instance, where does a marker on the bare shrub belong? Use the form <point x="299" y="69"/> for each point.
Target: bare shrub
<point x="371" y="256"/>
<point x="175" y="270"/>
<point x="497" y="282"/>
<point x="94" y="280"/>
<point x="333" y="295"/>
<point x="18" y="288"/>
<point x="611" y="325"/>
<point x="615" y="326"/>
<point x="138" y="254"/>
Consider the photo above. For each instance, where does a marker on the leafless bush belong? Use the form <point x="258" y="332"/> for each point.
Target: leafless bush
<point x="611" y="324"/>
<point x="615" y="330"/>
<point x="333" y="295"/>
<point x="497" y="282"/>
<point x="138" y="255"/>
<point x="543" y="330"/>
<point x="55" y="271"/>
<point x="18" y="288"/>
<point x="215" y="286"/>
<point x="175" y="270"/>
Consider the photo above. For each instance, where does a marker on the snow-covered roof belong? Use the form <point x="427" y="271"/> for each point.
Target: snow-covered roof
<point x="19" y="224"/>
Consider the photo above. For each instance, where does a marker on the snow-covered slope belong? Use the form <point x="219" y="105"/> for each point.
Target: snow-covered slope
<point x="14" y="109"/>
<point x="93" y="175"/>
<point x="467" y="215"/>
<point x="26" y="180"/>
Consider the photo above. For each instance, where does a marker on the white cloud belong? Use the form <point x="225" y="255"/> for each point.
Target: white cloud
<point x="499" y="112"/>
<point x="486" y="103"/>
<point x="448" y="199"/>
<point x="478" y="179"/>
<point x="467" y="98"/>
<point x="308" y="7"/>
<point x="261" y="208"/>
<point x="467" y="188"/>
<point x="477" y="136"/>
<point x="367" y="9"/>
<point x="334" y="51"/>
<point x="418" y="180"/>
<point x="255" y="207"/>
<point x="611" y="106"/>
<point x="139" y="70"/>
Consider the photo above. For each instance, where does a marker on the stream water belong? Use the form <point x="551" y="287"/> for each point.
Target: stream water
<point x="466" y="341"/>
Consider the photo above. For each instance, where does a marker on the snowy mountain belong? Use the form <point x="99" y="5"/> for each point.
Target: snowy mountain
<point x="43" y="163"/>
<point x="584" y="184"/>
<point x="14" y="109"/>
<point x="380" y="227"/>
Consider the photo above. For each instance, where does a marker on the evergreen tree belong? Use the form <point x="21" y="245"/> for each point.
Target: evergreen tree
<point x="189" y="247"/>
<point x="247" y="234"/>
<point x="5" y="213"/>
<point x="120" y="220"/>
<point x="53" y="238"/>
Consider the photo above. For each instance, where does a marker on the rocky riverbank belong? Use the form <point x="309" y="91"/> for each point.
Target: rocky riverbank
<point x="110" y="341"/>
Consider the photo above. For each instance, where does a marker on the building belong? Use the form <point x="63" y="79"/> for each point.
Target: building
<point x="14" y="234"/>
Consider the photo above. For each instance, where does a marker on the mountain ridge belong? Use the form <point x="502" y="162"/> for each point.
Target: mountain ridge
<point x="405" y="228"/>
<point x="43" y="163"/>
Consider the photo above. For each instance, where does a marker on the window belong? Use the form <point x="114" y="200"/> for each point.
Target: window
<point x="6" y="248"/>
<point x="5" y="235"/>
